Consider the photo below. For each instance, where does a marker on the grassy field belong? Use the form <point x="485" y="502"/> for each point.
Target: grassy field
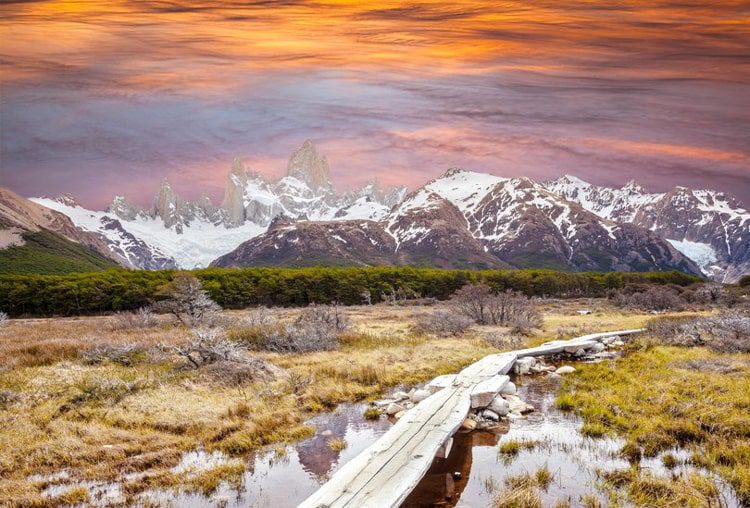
<point x="661" y="398"/>
<point x="101" y="421"/>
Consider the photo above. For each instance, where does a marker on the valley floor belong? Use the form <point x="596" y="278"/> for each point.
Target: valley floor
<point x="66" y="416"/>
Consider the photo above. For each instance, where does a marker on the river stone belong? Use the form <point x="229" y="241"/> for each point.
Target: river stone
<point x="508" y="389"/>
<point x="500" y="406"/>
<point x="565" y="369"/>
<point x="580" y="352"/>
<point x="609" y="340"/>
<point x="420" y="395"/>
<point x="517" y="405"/>
<point x="393" y="408"/>
<point x="617" y="343"/>
<point x="523" y="365"/>
<point x="490" y="415"/>
<point x="445" y="449"/>
<point x="483" y="393"/>
<point x="469" y="424"/>
<point x="597" y="348"/>
<point x="400" y="395"/>
<point x="398" y="415"/>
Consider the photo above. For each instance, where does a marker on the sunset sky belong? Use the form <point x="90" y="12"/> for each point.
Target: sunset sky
<point x="105" y="98"/>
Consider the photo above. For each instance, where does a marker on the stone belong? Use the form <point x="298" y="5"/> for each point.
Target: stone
<point x="572" y="349"/>
<point x="400" y="395"/>
<point x="420" y="395"/>
<point x="515" y="415"/>
<point x="484" y="392"/>
<point x="500" y="406"/>
<point x="440" y="382"/>
<point x="565" y="369"/>
<point x="524" y="365"/>
<point x="469" y="424"/>
<point x="490" y="415"/>
<point x="585" y="312"/>
<point x="326" y="433"/>
<point x="383" y="402"/>
<point x="580" y="352"/>
<point x="609" y="340"/>
<point x="597" y="348"/>
<point x="617" y="343"/>
<point x="398" y="415"/>
<point x="393" y="408"/>
<point x="517" y="405"/>
<point x="508" y="389"/>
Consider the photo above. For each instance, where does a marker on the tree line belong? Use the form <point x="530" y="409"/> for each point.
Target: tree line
<point x="116" y="290"/>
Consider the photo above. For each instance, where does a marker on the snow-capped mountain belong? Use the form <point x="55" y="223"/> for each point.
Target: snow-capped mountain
<point x="461" y="219"/>
<point x="176" y="233"/>
<point x="466" y="219"/>
<point x="709" y="227"/>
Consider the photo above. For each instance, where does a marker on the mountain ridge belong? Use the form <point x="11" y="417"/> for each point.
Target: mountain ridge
<point x="462" y="217"/>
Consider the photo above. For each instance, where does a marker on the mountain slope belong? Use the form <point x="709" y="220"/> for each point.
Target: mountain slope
<point x="34" y="239"/>
<point x="711" y="228"/>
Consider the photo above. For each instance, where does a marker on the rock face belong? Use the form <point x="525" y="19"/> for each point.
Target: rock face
<point x="309" y="167"/>
<point x="711" y="228"/>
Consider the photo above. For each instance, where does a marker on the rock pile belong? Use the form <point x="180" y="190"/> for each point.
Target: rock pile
<point x="495" y="399"/>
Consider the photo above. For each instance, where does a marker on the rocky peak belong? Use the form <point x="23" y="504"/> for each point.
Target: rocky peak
<point x="633" y="187"/>
<point x="168" y="205"/>
<point x="308" y="166"/>
<point x="67" y="200"/>
<point x="124" y="209"/>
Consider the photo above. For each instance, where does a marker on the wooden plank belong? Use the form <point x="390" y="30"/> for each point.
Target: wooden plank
<point x="386" y="472"/>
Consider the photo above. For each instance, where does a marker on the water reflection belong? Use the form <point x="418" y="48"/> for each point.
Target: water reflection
<point x="569" y="456"/>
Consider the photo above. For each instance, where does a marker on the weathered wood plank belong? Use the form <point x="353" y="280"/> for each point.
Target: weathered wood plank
<point x="388" y="470"/>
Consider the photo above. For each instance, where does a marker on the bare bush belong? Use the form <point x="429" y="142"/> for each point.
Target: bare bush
<point x="323" y="317"/>
<point x="503" y="340"/>
<point x="712" y="294"/>
<point x="480" y="304"/>
<point x="726" y="333"/>
<point x="142" y="318"/>
<point x="260" y="316"/>
<point x="209" y="345"/>
<point x="186" y="299"/>
<point x="655" y="298"/>
<point x="317" y="328"/>
<point x="3" y="318"/>
<point x="123" y="354"/>
<point x="442" y="323"/>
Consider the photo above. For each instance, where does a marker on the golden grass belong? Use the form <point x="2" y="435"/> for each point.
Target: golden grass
<point x="100" y="421"/>
<point x="657" y="399"/>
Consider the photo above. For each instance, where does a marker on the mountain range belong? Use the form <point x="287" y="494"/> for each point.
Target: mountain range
<point x="461" y="219"/>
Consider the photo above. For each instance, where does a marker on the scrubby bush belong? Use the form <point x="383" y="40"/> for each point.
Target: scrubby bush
<point x="727" y="333"/>
<point x="186" y="299"/>
<point x="209" y="345"/>
<point x="123" y="354"/>
<point x="504" y="340"/>
<point x="142" y="318"/>
<point x="442" y="323"/>
<point x="655" y="298"/>
<point x="260" y="316"/>
<point x="483" y="306"/>
<point x="317" y="328"/>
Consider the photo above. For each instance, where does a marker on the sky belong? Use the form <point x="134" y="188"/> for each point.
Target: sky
<point x="107" y="98"/>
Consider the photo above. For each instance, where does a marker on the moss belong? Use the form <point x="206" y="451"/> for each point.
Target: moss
<point x="372" y="413"/>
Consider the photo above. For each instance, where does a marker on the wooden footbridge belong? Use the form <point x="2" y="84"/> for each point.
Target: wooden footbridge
<point x="386" y="472"/>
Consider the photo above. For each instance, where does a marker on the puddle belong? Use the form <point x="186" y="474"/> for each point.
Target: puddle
<point x="286" y="475"/>
<point x="285" y="479"/>
<point x="569" y="456"/>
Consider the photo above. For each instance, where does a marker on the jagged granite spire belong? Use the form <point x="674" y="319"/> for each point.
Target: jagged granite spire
<point x="307" y="165"/>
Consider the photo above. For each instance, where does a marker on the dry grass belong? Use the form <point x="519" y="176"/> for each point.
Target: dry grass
<point x="101" y="420"/>
<point x="657" y="399"/>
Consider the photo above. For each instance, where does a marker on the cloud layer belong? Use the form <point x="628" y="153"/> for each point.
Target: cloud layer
<point x="104" y="98"/>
